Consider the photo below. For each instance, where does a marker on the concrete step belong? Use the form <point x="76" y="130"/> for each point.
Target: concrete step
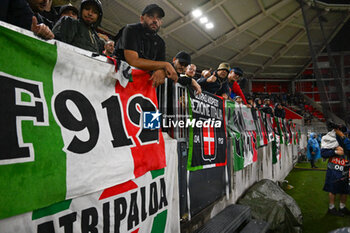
<point x="232" y="218"/>
<point x="256" y="226"/>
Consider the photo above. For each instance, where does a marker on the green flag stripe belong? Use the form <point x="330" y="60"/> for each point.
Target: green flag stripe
<point x="42" y="182"/>
<point x="156" y="173"/>
<point x="190" y="149"/>
<point x="159" y="222"/>
<point x="52" y="209"/>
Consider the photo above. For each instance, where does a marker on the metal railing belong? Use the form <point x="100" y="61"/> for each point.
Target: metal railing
<point x="174" y="111"/>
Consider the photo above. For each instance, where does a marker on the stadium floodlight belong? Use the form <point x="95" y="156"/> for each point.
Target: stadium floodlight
<point x="203" y="20"/>
<point x="197" y="13"/>
<point x="209" y="25"/>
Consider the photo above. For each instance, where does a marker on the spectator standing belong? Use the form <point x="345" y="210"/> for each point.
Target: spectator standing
<point x="82" y="32"/>
<point x="266" y="107"/>
<point x="217" y="83"/>
<point x="238" y="100"/>
<point x="233" y="78"/>
<point x="205" y="74"/>
<point x="279" y="111"/>
<point x="258" y="103"/>
<point x="26" y="14"/>
<point x="250" y="102"/>
<point x="50" y="13"/>
<point x="191" y="70"/>
<point x="109" y="48"/>
<point x="68" y="10"/>
<point x="38" y="7"/>
<point x="335" y="147"/>
<point x="313" y="150"/>
<point x="141" y="46"/>
<point x="181" y="61"/>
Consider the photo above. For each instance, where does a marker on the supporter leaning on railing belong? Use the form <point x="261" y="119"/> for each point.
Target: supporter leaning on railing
<point x="141" y="46"/>
<point x="26" y="14"/>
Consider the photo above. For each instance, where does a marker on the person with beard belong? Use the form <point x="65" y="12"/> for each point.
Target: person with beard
<point x="26" y="14"/>
<point x="217" y="83"/>
<point x="109" y="48"/>
<point x="140" y="45"/>
<point x="82" y="32"/>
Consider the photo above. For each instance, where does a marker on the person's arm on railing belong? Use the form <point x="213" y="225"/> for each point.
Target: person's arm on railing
<point x="133" y="59"/>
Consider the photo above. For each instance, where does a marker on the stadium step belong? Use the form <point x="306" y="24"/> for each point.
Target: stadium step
<point x="234" y="218"/>
<point x="256" y="226"/>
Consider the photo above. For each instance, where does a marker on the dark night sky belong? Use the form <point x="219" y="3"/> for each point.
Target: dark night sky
<point x="341" y="41"/>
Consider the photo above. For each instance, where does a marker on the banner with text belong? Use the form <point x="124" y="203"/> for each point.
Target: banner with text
<point x="146" y="204"/>
<point x="207" y="146"/>
<point x="67" y="127"/>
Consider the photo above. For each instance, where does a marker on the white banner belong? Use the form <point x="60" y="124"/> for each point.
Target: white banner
<point x="146" y="204"/>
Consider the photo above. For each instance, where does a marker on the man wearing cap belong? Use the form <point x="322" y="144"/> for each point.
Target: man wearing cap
<point x="217" y="83"/>
<point x="68" y="10"/>
<point x="180" y="62"/>
<point x="233" y="78"/>
<point x="141" y="46"/>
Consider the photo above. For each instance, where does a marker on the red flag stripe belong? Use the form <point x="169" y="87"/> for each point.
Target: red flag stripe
<point x="118" y="189"/>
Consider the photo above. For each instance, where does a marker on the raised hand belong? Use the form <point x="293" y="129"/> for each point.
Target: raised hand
<point x="41" y="30"/>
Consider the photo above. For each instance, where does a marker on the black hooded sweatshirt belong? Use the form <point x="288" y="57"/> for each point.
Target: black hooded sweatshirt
<point x="78" y="33"/>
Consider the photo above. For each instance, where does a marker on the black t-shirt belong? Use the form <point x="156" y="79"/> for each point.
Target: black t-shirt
<point x="147" y="44"/>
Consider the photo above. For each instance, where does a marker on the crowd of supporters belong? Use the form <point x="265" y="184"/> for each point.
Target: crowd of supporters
<point x="140" y="46"/>
<point x="296" y="102"/>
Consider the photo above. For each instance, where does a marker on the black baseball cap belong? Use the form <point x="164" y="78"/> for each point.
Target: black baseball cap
<point x="237" y="71"/>
<point x="68" y="7"/>
<point x="184" y="57"/>
<point x="153" y="7"/>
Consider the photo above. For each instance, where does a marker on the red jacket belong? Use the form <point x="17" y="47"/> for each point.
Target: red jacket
<point x="238" y="91"/>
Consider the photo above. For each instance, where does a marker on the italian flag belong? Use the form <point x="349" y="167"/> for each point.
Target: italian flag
<point x="68" y="128"/>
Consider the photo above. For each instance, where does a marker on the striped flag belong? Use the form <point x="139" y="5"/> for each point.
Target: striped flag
<point x="235" y="135"/>
<point x="67" y="127"/>
<point x="147" y="204"/>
